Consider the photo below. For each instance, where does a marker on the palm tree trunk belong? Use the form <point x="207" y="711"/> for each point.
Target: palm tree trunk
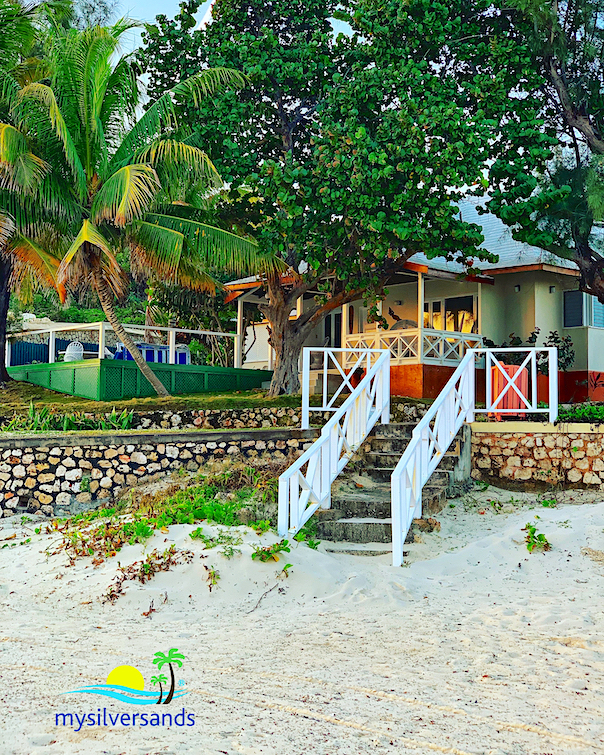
<point x="5" y="273"/>
<point x="106" y="299"/>
<point x="161" y="694"/>
<point x="171" y="692"/>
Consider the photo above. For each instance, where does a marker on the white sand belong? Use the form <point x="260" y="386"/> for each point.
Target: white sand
<point x="476" y="647"/>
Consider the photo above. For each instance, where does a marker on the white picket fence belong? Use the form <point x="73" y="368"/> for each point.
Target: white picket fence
<point x="456" y="404"/>
<point x="306" y="485"/>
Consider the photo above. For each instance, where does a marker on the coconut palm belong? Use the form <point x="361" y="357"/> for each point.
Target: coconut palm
<point x="161" y="680"/>
<point x="161" y="659"/>
<point x="23" y="266"/>
<point x="108" y="185"/>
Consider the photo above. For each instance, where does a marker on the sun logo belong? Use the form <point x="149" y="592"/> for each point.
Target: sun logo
<point x="127" y="684"/>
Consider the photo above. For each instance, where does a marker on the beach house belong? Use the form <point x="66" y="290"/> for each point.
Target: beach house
<point x="435" y="312"/>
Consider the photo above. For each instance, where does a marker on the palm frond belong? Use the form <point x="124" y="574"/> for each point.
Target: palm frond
<point x="154" y="247"/>
<point x="20" y="169"/>
<point x="217" y="249"/>
<point x="209" y="82"/>
<point x="162" y="114"/>
<point x="90" y="234"/>
<point x="7" y="227"/>
<point x="126" y="196"/>
<point x="31" y="259"/>
<point x="169" y="153"/>
<point x="46" y="97"/>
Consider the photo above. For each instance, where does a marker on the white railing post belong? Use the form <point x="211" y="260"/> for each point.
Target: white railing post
<point x="7" y="351"/>
<point x="172" y="346"/>
<point x="283" y="513"/>
<point x="102" y="340"/>
<point x="471" y="386"/>
<point x="384" y="388"/>
<point x="305" y="421"/>
<point x="52" y="346"/>
<point x="398" y="538"/>
<point x="553" y="384"/>
<point x="238" y="345"/>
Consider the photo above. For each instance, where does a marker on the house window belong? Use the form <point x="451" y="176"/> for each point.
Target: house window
<point x="573" y="309"/>
<point x="457" y="313"/>
<point x="332" y="331"/>
<point x="597" y="313"/>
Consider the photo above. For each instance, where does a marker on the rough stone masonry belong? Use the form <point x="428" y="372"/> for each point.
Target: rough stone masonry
<point x="556" y="456"/>
<point x="68" y="472"/>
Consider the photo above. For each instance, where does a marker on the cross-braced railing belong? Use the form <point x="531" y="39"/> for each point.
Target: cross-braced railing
<point x="342" y="364"/>
<point x="417" y="345"/>
<point x="306" y="485"/>
<point x="509" y="388"/>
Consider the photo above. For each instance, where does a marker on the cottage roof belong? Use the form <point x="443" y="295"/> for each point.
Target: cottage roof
<point x="498" y="240"/>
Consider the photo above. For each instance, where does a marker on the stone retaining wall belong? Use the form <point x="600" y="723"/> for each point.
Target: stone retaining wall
<point x="528" y="454"/>
<point x="238" y="419"/>
<point x="66" y="472"/>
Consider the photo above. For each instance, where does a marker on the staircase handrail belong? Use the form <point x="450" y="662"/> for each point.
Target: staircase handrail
<point x="302" y="493"/>
<point x="455" y="405"/>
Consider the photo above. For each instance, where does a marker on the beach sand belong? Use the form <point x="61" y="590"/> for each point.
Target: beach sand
<point x="475" y="646"/>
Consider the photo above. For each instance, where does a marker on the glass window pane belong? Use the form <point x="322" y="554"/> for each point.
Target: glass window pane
<point x="573" y="309"/>
<point x="460" y="315"/>
<point x="437" y="315"/>
<point x="598" y="313"/>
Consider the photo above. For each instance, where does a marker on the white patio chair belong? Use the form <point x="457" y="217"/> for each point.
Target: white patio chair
<point x="74" y="352"/>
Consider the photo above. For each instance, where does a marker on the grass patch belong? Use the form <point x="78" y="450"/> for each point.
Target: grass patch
<point x="17" y="397"/>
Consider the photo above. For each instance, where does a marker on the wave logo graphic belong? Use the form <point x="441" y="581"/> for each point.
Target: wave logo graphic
<point x="127" y="684"/>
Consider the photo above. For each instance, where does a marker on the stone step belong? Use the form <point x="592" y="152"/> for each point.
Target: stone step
<point x="375" y="506"/>
<point x="394" y="430"/>
<point x="384" y="459"/>
<point x="360" y="549"/>
<point x="355" y="530"/>
<point x="383" y="474"/>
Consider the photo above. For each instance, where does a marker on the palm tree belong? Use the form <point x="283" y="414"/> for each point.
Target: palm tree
<point x="161" y="679"/>
<point x="23" y="266"/>
<point x="173" y="657"/>
<point x="108" y="185"/>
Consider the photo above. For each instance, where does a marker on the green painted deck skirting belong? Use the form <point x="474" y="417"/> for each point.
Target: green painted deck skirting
<point x="113" y="380"/>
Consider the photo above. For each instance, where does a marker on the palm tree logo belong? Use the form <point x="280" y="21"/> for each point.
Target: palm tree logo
<point x="161" y="679"/>
<point x="161" y="659"/>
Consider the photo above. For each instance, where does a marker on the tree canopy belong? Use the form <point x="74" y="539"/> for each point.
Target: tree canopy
<point x="348" y="153"/>
<point x="559" y="209"/>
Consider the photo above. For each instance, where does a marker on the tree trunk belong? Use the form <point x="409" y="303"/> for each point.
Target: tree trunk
<point x="171" y="693"/>
<point x="106" y="299"/>
<point x="161" y="694"/>
<point x="287" y="338"/>
<point x="5" y="273"/>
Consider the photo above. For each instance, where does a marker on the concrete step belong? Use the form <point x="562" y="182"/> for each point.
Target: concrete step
<point x="383" y="474"/>
<point x="387" y="459"/>
<point x="394" y="430"/>
<point x="360" y="549"/>
<point x="356" y="530"/>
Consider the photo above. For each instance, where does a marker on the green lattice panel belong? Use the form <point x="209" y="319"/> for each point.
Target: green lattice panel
<point x="62" y="380"/>
<point x="189" y="382"/>
<point x="86" y="381"/>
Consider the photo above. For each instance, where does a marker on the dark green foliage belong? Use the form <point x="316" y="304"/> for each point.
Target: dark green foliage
<point x="270" y="552"/>
<point x="558" y="211"/>
<point x="593" y="413"/>
<point x="564" y="344"/>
